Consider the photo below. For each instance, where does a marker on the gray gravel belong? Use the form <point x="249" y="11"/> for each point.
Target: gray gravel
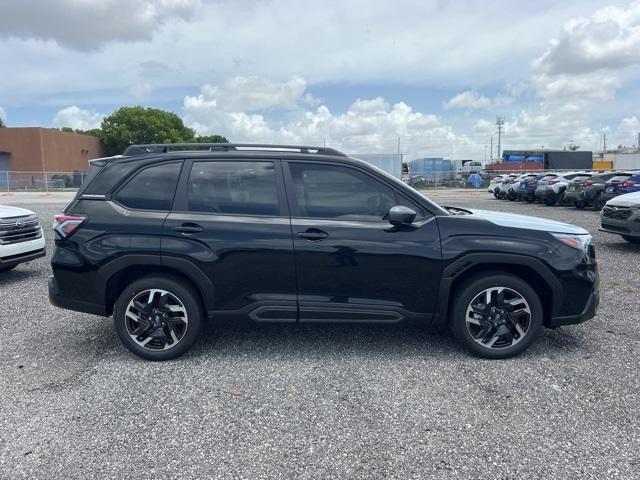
<point x="321" y="401"/>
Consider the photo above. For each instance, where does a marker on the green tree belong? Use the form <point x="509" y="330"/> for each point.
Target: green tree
<point x="129" y="125"/>
<point x="572" y="147"/>
<point x="2" y="125"/>
<point x="211" y="139"/>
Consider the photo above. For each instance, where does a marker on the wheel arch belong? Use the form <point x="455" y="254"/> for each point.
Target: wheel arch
<point x="116" y="275"/>
<point x="531" y="270"/>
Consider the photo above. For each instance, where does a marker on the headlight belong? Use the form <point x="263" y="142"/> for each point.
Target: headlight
<point x="579" y="242"/>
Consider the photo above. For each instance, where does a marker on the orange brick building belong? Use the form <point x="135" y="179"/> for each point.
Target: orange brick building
<point x="35" y="149"/>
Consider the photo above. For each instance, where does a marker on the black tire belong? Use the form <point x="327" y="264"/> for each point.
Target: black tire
<point x="580" y="205"/>
<point x="6" y="269"/>
<point x="598" y="202"/>
<point x="549" y="202"/>
<point x="473" y="287"/>
<point x="182" y="291"/>
<point x="634" y="240"/>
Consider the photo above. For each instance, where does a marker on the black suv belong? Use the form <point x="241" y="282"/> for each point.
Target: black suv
<point x="168" y="236"/>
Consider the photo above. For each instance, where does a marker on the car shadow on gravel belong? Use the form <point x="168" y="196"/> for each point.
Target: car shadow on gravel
<point x="17" y="275"/>
<point x="245" y="338"/>
<point x="276" y="340"/>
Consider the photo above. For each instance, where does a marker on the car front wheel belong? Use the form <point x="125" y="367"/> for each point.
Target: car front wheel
<point x="496" y="315"/>
<point x="158" y="317"/>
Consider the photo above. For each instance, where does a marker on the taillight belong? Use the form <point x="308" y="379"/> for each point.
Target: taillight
<point x="552" y="182"/>
<point x="587" y="184"/>
<point x="65" y="224"/>
<point x="630" y="183"/>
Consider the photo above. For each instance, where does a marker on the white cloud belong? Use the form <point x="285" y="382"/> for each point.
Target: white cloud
<point x="469" y="99"/>
<point x="591" y="86"/>
<point x="77" y="118"/>
<point x="609" y="38"/>
<point x="87" y="24"/>
<point x="255" y="94"/>
<point x="367" y="125"/>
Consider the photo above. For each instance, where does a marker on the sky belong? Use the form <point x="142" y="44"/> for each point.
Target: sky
<point x="364" y="76"/>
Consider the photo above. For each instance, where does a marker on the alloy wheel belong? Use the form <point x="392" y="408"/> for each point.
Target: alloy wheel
<point x="498" y="317"/>
<point x="156" y="319"/>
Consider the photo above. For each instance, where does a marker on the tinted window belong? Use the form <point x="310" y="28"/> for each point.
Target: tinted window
<point x="152" y="188"/>
<point x="341" y="193"/>
<point x="247" y="188"/>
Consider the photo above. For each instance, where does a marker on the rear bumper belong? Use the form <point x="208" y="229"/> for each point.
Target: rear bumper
<point x="588" y="313"/>
<point x="68" y="303"/>
<point x="574" y="196"/>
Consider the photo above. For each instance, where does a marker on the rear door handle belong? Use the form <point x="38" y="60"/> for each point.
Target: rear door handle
<point x="188" y="228"/>
<point x="313" y="234"/>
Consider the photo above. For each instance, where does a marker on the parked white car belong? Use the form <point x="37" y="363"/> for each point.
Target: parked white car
<point x="503" y="188"/>
<point x="495" y="183"/>
<point x="21" y="237"/>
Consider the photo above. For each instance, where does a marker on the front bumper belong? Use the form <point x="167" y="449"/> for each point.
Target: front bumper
<point x="588" y="313"/>
<point x="628" y="226"/>
<point x="13" y="260"/>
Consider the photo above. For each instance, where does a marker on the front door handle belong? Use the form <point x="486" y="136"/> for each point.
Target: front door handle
<point x="313" y="234"/>
<point x="188" y="228"/>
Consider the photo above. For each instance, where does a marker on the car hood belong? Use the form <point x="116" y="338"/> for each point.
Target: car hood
<point x="8" y="212"/>
<point x="626" y="200"/>
<point x="524" y="221"/>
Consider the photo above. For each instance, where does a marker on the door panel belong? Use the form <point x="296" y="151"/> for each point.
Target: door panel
<point x="231" y="222"/>
<point x="356" y="266"/>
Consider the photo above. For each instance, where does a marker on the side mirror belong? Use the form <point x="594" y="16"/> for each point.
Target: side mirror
<point x="400" y="215"/>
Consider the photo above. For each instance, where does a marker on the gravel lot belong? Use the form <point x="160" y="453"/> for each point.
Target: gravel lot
<point x="320" y="401"/>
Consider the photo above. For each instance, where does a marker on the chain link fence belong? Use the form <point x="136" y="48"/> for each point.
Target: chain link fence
<point x="40" y="181"/>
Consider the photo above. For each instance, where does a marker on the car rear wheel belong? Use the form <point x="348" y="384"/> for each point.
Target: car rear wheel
<point x="578" y="204"/>
<point x="6" y="269"/>
<point x="496" y="315"/>
<point x="158" y="317"/>
<point x="598" y="203"/>
<point x="549" y="201"/>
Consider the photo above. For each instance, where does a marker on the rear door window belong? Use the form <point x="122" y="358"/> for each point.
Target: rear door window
<point x="241" y="188"/>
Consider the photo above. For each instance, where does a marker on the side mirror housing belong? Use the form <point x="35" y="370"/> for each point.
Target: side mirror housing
<point x="400" y="215"/>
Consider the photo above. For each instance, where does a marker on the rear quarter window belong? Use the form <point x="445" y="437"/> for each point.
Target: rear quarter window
<point x="151" y="188"/>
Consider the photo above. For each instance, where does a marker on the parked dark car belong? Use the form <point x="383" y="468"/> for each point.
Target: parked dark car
<point x="621" y="183"/>
<point x="416" y="180"/>
<point x="163" y="239"/>
<point x="586" y="190"/>
<point x="527" y="189"/>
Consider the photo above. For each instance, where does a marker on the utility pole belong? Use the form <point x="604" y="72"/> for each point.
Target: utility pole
<point x="604" y="143"/>
<point x="638" y="140"/>
<point x="500" y="124"/>
<point x="491" y="149"/>
<point x="398" y="145"/>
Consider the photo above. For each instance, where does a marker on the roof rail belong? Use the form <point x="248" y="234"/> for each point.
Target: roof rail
<point x="225" y="147"/>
